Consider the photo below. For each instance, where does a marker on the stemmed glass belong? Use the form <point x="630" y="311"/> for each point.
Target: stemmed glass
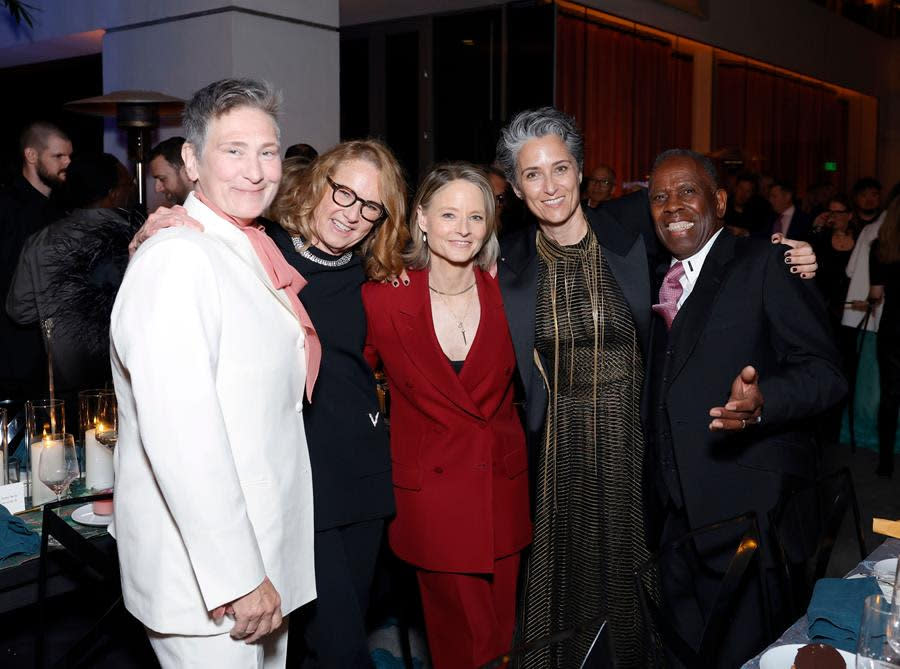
<point x="107" y="432"/>
<point x="58" y="465"/>
<point x="894" y="628"/>
<point x="875" y="648"/>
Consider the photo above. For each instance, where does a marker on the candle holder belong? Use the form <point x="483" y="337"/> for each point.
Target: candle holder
<point x="42" y="418"/>
<point x="98" y="460"/>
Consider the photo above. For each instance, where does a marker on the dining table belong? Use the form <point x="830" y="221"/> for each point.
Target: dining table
<point x="19" y="573"/>
<point x="798" y="633"/>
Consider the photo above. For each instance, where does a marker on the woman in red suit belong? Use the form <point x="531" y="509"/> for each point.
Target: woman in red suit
<point x="457" y="445"/>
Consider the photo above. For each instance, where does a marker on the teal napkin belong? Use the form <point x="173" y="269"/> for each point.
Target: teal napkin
<point x="15" y="537"/>
<point x="836" y="608"/>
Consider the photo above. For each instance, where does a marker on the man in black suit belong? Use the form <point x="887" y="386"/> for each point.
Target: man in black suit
<point x="789" y="220"/>
<point x="732" y="324"/>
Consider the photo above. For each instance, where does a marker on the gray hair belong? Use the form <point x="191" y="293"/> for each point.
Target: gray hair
<point x="419" y="256"/>
<point x="533" y="124"/>
<point x="699" y="158"/>
<point x="220" y="97"/>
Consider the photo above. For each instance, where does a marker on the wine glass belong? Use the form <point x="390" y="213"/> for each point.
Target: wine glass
<point x="58" y="465"/>
<point x="874" y="649"/>
<point x="894" y="629"/>
<point x="107" y="419"/>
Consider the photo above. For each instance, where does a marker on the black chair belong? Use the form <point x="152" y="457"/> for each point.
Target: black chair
<point x="804" y="526"/>
<point x="102" y="570"/>
<point x="740" y="533"/>
<point x="599" y="656"/>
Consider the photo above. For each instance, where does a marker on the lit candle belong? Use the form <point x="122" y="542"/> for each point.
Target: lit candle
<point x="40" y="493"/>
<point x="98" y="461"/>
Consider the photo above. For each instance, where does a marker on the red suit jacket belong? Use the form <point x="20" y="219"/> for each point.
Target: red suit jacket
<point x="457" y="444"/>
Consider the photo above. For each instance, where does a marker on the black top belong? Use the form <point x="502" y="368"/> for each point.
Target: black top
<point x="457" y="365"/>
<point x="348" y="440"/>
<point x="887" y="275"/>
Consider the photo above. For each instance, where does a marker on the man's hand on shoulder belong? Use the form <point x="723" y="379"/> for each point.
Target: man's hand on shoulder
<point x="255" y="614"/>
<point x="744" y="405"/>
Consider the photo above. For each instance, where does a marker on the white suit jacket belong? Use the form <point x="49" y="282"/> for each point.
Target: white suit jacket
<point x="213" y="487"/>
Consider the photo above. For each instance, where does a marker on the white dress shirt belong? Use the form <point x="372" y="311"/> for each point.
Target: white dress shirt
<point x="692" y="267"/>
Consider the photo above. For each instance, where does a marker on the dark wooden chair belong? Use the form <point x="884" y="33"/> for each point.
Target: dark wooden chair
<point x="742" y="532"/>
<point x="804" y="526"/>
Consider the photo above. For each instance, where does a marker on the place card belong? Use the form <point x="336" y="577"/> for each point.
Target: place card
<point x="12" y="496"/>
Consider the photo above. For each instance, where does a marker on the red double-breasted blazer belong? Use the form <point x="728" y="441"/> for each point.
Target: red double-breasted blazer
<point x="457" y="445"/>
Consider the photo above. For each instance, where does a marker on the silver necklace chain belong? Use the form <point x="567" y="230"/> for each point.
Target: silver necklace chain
<point x="309" y="255"/>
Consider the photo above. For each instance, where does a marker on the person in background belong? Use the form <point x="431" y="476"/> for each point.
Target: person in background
<point x="790" y="221"/>
<point x="167" y="168"/>
<point x="213" y="505"/>
<point x="68" y="273"/>
<point x="457" y="444"/>
<point x="866" y="196"/>
<point x="599" y="186"/>
<point x="884" y="276"/>
<point x="833" y="237"/>
<point x="28" y="205"/>
<point x="301" y="152"/>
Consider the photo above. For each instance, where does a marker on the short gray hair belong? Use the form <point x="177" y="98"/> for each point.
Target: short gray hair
<point x="220" y="97"/>
<point x="699" y="158"/>
<point x="418" y="256"/>
<point x="533" y="124"/>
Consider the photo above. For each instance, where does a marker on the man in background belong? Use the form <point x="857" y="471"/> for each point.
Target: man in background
<point x="26" y="207"/>
<point x="167" y="168"/>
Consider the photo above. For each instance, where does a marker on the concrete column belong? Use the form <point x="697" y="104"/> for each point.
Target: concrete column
<point x="177" y="55"/>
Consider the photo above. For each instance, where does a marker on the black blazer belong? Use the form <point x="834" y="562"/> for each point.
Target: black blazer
<point x="746" y="308"/>
<point x="626" y="255"/>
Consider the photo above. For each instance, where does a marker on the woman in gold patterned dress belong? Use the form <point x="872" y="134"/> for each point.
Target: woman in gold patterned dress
<point x="577" y="295"/>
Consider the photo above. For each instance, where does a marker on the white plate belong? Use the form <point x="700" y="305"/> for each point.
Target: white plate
<point x="86" y="516"/>
<point x="782" y="657"/>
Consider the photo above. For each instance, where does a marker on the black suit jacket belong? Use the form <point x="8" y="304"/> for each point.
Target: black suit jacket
<point x="517" y="274"/>
<point x="799" y="228"/>
<point x="746" y="308"/>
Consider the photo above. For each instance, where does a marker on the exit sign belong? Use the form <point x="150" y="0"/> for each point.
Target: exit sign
<point x="831" y="166"/>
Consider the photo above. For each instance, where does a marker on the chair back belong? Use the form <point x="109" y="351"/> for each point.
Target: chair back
<point x="740" y="537"/>
<point x="804" y="526"/>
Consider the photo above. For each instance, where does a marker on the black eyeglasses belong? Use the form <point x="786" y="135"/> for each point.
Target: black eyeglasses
<point x="373" y="212"/>
<point x="838" y="211"/>
<point x="602" y="182"/>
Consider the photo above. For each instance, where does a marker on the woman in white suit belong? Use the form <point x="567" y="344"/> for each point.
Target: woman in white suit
<point x="212" y="353"/>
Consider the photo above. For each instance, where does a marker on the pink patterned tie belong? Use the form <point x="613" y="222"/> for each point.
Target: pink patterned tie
<point x="669" y="293"/>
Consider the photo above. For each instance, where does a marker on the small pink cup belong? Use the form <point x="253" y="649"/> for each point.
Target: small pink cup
<point x="102" y="508"/>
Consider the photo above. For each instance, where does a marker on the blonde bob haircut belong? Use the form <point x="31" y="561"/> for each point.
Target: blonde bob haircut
<point x="297" y="200"/>
<point x="419" y="255"/>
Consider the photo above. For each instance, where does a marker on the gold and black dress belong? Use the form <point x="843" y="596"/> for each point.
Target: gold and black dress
<point x="589" y="526"/>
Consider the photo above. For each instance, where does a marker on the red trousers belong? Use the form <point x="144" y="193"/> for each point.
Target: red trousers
<point x="469" y="618"/>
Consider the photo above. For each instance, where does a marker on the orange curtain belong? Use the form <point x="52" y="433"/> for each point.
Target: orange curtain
<point x="785" y="127"/>
<point x="631" y="94"/>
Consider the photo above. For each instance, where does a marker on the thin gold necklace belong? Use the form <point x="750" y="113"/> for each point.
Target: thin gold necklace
<point x="460" y="322"/>
<point x="464" y="290"/>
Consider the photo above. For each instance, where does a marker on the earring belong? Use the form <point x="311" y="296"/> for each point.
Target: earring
<point x="424" y="236"/>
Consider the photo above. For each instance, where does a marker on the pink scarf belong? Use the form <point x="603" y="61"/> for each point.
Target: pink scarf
<point x="282" y="276"/>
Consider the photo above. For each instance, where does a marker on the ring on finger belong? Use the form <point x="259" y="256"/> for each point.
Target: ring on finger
<point x="743" y="423"/>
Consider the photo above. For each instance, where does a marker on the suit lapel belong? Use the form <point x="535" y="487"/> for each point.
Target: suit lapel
<point x="626" y="257"/>
<point x="517" y="276"/>
<point x="693" y="316"/>
<point x="237" y="242"/>
<point x="415" y="329"/>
